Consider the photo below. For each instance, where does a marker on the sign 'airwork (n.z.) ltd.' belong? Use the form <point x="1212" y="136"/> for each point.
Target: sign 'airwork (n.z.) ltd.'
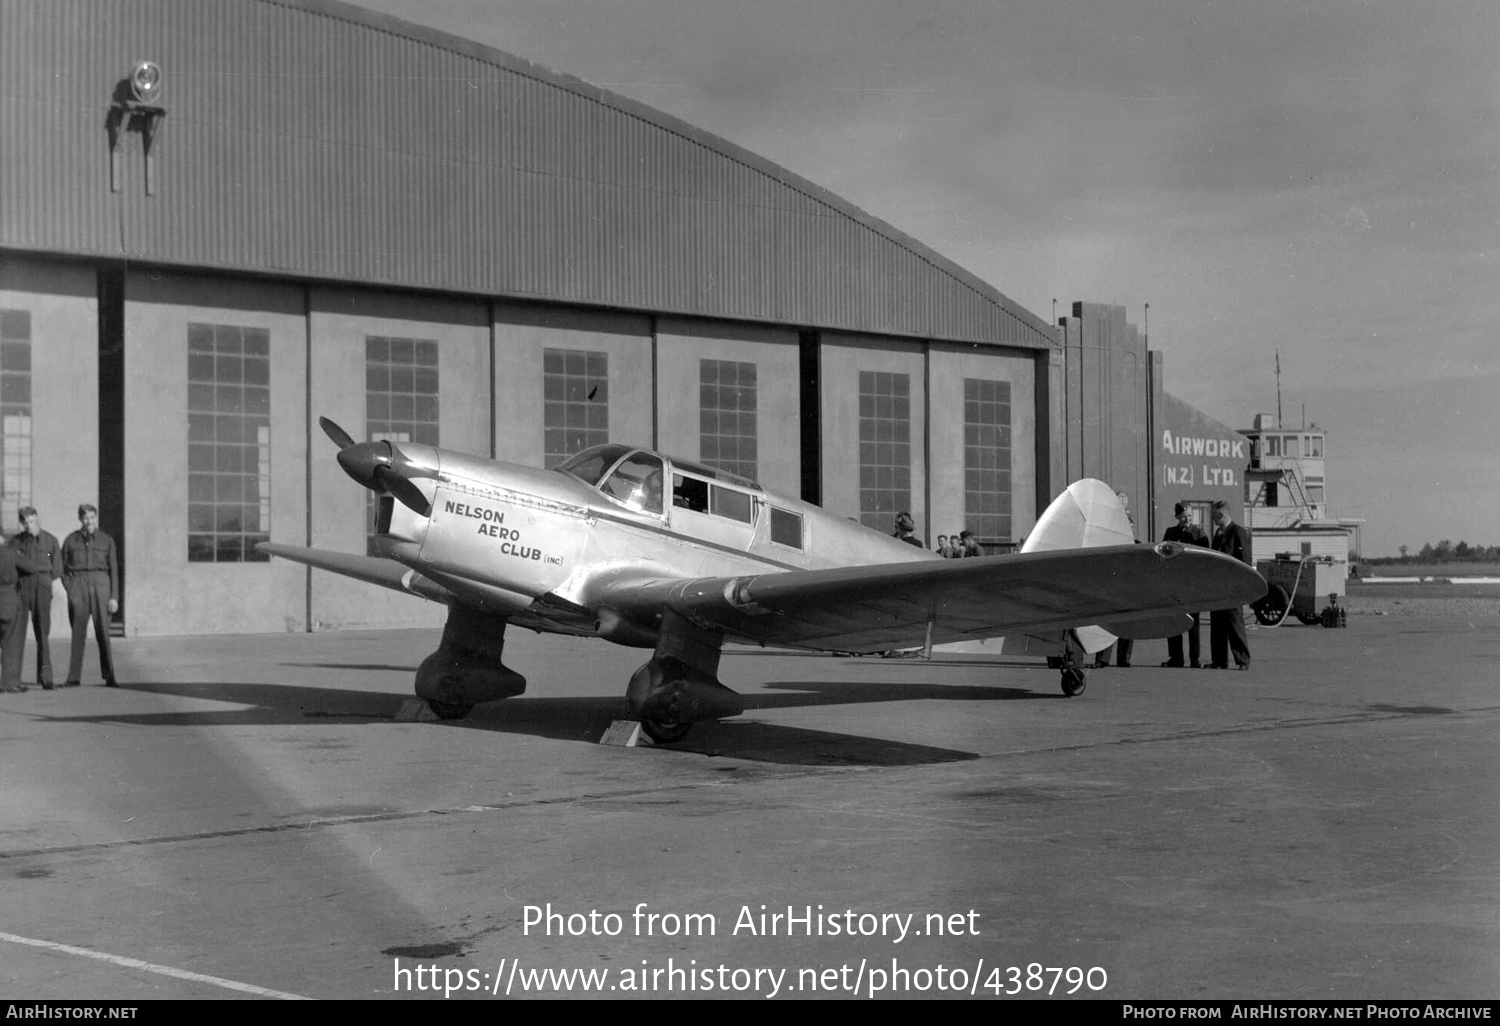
<point x="1181" y="471"/>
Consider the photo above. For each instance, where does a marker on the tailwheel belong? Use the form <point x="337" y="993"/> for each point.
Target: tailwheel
<point x="664" y="733"/>
<point x="449" y="710"/>
<point x="1073" y="682"/>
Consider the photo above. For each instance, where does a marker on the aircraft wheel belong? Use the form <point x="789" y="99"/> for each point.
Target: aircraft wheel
<point x="664" y="733"/>
<point x="1310" y="618"/>
<point x="449" y="710"/>
<point x="1073" y="682"/>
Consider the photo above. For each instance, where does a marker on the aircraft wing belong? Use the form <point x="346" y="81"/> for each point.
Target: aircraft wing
<point x="889" y="606"/>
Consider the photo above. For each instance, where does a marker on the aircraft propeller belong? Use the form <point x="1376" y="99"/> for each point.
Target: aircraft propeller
<point x="380" y="467"/>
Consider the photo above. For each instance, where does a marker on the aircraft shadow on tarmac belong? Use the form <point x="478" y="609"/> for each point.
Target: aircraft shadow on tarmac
<point x="585" y="719"/>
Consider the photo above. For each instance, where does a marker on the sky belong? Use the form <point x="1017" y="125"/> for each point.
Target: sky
<point x="1318" y="178"/>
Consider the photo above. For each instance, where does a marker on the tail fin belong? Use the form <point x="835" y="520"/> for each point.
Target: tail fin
<point x="1089" y="514"/>
<point x="1086" y="515"/>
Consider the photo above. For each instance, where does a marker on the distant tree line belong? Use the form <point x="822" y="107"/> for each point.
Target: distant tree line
<point x="1444" y="552"/>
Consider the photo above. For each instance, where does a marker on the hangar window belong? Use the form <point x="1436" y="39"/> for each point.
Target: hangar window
<point x="727" y="416"/>
<point x="884" y="448"/>
<point x="987" y="483"/>
<point x="15" y="413"/>
<point x="1314" y="446"/>
<point x="229" y="443"/>
<point x="575" y="402"/>
<point x="401" y="403"/>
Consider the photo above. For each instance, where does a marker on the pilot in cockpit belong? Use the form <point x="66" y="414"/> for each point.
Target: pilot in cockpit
<point x="647" y="495"/>
<point x="637" y="482"/>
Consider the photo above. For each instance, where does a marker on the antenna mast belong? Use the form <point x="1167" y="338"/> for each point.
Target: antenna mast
<point x="1278" y="388"/>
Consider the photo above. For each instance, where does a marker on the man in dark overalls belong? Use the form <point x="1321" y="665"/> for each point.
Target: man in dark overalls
<point x="91" y="577"/>
<point x="12" y="640"/>
<point x="44" y="552"/>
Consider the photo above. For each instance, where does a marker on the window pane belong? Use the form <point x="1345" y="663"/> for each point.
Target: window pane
<point x="885" y="420"/>
<point x="401" y="397"/>
<point x="727" y="416"/>
<point x="786" y="528"/>
<point x="987" y="456"/>
<point x="228" y="440"/>
<point x="728" y="503"/>
<point x="574" y="394"/>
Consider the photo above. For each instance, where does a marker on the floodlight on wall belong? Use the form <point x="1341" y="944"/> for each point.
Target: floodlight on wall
<point x="135" y="106"/>
<point x="145" y="81"/>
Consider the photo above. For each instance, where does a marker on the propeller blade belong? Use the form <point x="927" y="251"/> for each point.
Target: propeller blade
<point x="380" y="466"/>
<point x="406" y="493"/>
<point x="338" y="435"/>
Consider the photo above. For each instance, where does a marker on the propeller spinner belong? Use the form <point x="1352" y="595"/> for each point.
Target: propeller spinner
<point x="380" y="467"/>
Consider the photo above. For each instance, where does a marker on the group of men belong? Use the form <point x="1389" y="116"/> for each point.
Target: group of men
<point x="962" y="544"/>
<point x="959" y="546"/>
<point x="1226" y="627"/>
<point x="88" y="568"/>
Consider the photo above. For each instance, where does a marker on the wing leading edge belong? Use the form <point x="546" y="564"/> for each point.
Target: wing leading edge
<point x="371" y="569"/>
<point x="875" y="608"/>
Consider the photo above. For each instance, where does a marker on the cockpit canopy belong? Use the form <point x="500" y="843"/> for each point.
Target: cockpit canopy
<point x="636" y="478"/>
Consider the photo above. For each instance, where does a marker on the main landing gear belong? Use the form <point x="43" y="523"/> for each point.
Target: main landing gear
<point x="665" y="733"/>
<point x="679" y="685"/>
<point x="466" y="668"/>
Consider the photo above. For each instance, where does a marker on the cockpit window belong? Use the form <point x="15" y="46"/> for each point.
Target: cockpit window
<point x="637" y="482"/>
<point x="590" y="464"/>
<point x="703" y="497"/>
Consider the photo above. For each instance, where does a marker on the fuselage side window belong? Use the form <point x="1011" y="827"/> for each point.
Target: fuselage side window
<point x="786" y="527"/>
<point x="689" y="493"/>
<point x="733" y="505"/>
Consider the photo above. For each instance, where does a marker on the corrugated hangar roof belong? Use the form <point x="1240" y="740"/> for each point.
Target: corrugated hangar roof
<point x="318" y="140"/>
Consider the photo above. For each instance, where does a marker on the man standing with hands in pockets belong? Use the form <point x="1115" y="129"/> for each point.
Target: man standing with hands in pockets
<point x="91" y="575"/>
<point x="1226" y="627"/>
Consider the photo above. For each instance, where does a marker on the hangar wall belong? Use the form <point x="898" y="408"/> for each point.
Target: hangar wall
<point x="340" y="322"/>
<point x="167" y="593"/>
<point x="1199" y="461"/>
<point x="950" y="367"/>
<point x="55" y="305"/>
<point x="524" y="331"/>
<point x="1107" y="401"/>
<point x="682" y="344"/>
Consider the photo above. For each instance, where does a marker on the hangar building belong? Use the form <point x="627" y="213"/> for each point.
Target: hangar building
<point x="1116" y="422"/>
<point x="317" y="210"/>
